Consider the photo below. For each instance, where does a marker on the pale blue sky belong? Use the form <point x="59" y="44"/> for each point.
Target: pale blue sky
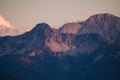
<point x="24" y="13"/>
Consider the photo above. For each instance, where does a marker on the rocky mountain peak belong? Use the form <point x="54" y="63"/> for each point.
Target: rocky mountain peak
<point x="102" y="18"/>
<point x="41" y="27"/>
<point x="70" y="28"/>
<point x="106" y="25"/>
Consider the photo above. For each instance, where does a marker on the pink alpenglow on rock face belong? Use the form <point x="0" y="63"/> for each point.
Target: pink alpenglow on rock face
<point x="72" y="28"/>
<point x="57" y="47"/>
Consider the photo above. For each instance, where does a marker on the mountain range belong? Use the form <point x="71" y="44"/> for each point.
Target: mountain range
<point x="88" y="50"/>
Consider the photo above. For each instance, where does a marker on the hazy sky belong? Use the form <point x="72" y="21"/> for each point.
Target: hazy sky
<point x="23" y="13"/>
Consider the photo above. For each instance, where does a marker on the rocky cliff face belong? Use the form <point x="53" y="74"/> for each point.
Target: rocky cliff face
<point x="106" y="25"/>
<point x="70" y="28"/>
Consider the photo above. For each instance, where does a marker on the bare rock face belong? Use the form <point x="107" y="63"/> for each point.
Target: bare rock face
<point x="57" y="47"/>
<point x="55" y="43"/>
<point x="106" y="25"/>
<point x="70" y="28"/>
